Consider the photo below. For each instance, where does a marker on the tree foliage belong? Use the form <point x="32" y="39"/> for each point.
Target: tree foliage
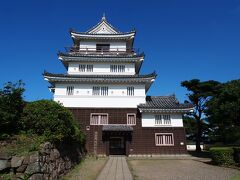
<point x="199" y="94"/>
<point x="224" y="112"/>
<point x="50" y="119"/>
<point x="11" y="107"/>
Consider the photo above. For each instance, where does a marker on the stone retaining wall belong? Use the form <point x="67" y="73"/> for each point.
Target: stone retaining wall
<point x="50" y="162"/>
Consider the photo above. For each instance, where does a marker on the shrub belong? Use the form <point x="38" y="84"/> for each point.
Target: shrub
<point x="11" y="107"/>
<point x="51" y="120"/>
<point x="237" y="154"/>
<point x="222" y="155"/>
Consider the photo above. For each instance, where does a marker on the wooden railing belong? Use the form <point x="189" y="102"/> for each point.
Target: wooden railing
<point x="111" y="51"/>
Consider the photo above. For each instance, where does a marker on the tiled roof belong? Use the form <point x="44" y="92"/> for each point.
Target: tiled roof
<point x="117" y="127"/>
<point x="117" y="32"/>
<point x="163" y="103"/>
<point x="137" y="76"/>
<point x="144" y="79"/>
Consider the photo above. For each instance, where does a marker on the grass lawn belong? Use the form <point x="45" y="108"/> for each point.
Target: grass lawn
<point x="87" y="170"/>
<point x="153" y="169"/>
<point x="21" y="144"/>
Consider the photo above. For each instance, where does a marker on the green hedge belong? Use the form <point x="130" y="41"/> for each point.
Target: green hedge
<point x="222" y="155"/>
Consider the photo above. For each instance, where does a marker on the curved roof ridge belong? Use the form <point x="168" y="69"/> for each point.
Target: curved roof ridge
<point x="103" y="20"/>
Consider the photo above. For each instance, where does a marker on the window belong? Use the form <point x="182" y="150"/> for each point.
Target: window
<point x="166" y="119"/>
<point x="164" y="139"/>
<point x="117" y="68"/>
<point x="158" y="119"/>
<point x="70" y="90"/>
<point x="97" y="91"/>
<point x="103" y="47"/>
<point x="162" y="119"/>
<point x="86" y="68"/>
<point x="130" y="91"/>
<point x="82" y="67"/>
<point x="131" y="119"/>
<point x="99" y="119"/>
<point x="89" y="68"/>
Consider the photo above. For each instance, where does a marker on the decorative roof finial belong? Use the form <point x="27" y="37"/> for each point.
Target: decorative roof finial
<point x="103" y="18"/>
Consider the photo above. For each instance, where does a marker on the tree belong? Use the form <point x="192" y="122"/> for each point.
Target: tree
<point x="190" y="126"/>
<point x="11" y="107"/>
<point x="51" y="120"/>
<point x="224" y="112"/>
<point x="200" y="93"/>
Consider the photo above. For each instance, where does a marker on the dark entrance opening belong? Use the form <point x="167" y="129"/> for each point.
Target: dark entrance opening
<point x="117" y="138"/>
<point x="117" y="146"/>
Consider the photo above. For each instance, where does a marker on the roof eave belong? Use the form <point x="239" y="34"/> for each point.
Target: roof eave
<point x="158" y="110"/>
<point x="82" y="35"/>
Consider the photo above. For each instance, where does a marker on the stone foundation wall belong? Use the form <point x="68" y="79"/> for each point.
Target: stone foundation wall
<point x="50" y="162"/>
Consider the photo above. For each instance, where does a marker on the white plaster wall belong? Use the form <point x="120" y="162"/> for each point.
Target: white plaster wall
<point x="192" y="147"/>
<point x="102" y="68"/>
<point x="81" y="90"/>
<point x="100" y="101"/>
<point x="117" y="96"/>
<point x="91" y="45"/>
<point x="148" y="120"/>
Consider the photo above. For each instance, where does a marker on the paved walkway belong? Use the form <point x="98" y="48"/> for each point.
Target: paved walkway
<point x="115" y="169"/>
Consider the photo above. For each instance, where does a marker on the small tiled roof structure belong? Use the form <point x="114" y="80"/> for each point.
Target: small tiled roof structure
<point x="117" y="127"/>
<point x="114" y="34"/>
<point x="164" y="104"/>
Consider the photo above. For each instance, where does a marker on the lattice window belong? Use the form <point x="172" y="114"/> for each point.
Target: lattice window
<point x="98" y="119"/>
<point x="82" y="67"/>
<point x="130" y="91"/>
<point x="117" y="68"/>
<point x="162" y="119"/>
<point x="166" y="119"/>
<point x="164" y="139"/>
<point x="158" y="119"/>
<point x="85" y="68"/>
<point x="131" y="119"/>
<point x="100" y="91"/>
<point x="89" y="68"/>
<point x="70" y="90"/>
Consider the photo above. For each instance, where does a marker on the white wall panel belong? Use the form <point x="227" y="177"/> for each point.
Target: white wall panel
<point x="148" y="120"/>
<point x="102" y="68"/>
<point x="100" y="101"/>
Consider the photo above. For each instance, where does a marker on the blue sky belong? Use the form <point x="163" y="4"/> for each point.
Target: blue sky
<point x="182" y="40"/>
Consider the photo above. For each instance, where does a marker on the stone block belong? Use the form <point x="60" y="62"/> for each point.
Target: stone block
<point x="37" y="177"/>
<point x="4" y="164"/>
<point x="16" y="161"/>
<point x="26" y="160"/>
<point x="5" y="156"/>
<point x="54" y="154"/>
<point x="46" y="148"/>
<point x="35" y="158"/>
<point x="22" y="168"/>
<point x="33" y="168"/>
<point x="68" y="165"/>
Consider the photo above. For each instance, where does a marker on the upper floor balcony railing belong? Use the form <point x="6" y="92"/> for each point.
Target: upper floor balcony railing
<point x="102" y="51"/>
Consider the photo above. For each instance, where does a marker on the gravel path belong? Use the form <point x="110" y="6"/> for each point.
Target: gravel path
<point x="179" y="170"/>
